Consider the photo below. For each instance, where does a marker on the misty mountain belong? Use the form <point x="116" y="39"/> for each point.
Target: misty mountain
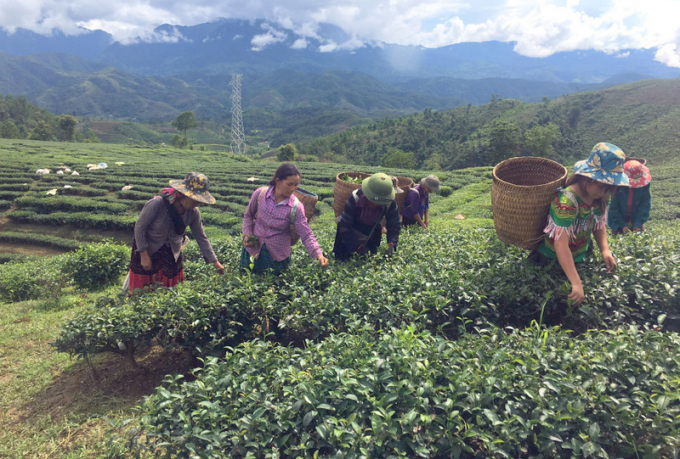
<point x="260" y="48"/>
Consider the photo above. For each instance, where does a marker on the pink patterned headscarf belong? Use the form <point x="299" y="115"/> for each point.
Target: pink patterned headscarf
<point x="171" y="193"/>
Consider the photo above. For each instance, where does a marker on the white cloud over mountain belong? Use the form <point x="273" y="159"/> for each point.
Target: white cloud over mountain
<point x="540" y="28"/>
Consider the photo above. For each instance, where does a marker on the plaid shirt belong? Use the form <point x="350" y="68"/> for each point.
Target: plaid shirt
<point x="273" y="226"/>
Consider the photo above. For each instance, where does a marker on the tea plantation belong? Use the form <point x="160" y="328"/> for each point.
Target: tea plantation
<point x="454" y="347"/>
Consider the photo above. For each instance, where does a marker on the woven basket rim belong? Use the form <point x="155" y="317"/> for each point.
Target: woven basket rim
<point x="529" y="159"/>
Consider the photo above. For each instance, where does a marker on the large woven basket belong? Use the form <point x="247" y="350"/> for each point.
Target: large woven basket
<point x="343" y="189"/>
<point x="308" y="199"/>
<point x="404" y="184"/>
<point x="521" y="193"/>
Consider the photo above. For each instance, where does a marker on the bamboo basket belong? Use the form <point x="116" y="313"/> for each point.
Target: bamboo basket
<point x="343" y="189"/>
<point x="521" y="193"/>
<point x="308" y="199"/>
<point x="404" y="184"/>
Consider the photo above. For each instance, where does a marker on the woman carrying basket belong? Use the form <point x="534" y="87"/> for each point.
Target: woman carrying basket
<point x="159" y="233"/>
<point x="580" y="210"/>
<point x="272" y="222"/>
<point x="360" y="228"/>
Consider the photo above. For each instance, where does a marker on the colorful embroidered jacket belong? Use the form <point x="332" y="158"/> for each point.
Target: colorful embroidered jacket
<point x="570" y="215"/>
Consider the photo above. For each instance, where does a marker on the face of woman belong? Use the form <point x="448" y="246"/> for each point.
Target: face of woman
<point x="288" y="185"/>
<point x="598" y="190"/>
<point x="188" y="203"/>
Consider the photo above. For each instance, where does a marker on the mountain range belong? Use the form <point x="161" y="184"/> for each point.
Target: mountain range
<point x="190" y="69"/>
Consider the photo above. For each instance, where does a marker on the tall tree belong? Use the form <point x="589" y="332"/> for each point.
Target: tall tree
<point x="396" y="158"/>
<point x="184" y="122"/>
<point x="67" y="127"/>
<point x="504" y="142"/>
<point x="286" y="152"/>
<point x="538" y="141"/>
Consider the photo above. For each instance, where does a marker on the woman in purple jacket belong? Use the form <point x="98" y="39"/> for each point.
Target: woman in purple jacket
<point x="159" y="233"/>
<point x="417" y="205"/>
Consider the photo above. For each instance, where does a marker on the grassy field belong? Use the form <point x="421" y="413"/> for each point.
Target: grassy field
<point x="54" y="406"/>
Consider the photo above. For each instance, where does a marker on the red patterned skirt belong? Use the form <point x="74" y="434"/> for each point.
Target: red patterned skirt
<point x="165" y="271"/>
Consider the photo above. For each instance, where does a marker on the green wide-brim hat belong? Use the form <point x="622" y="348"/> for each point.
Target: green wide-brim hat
<point x="379" y="189"/>
<point x="194" y="186"/>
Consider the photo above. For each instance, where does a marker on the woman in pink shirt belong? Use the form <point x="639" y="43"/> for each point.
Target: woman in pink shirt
<point x="267" y="224"/>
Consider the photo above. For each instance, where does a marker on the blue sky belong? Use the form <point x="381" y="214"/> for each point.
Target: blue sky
<point x="539" y="28"/>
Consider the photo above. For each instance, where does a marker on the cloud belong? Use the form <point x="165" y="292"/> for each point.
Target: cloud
<point x="259" y="42"/>
<point x="538" y="27"/>
<point x="300" y="43"/>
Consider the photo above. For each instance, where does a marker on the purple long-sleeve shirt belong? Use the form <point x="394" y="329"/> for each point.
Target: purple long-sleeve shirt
<point x="417" y="202"/>
<point x="154" y="228"/>
<point x="273" y="226"/>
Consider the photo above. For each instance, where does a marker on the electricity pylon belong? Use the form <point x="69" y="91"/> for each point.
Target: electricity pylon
<point x="238" y="138"/>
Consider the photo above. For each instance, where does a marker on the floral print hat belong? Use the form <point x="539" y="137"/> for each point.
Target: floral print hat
<point x="195" y="186"/>
<point x="638" y="174"/>
<point x="605" y="164"/>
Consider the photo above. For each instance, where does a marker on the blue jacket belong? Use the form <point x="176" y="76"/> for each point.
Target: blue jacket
<point x="639" y="211"/>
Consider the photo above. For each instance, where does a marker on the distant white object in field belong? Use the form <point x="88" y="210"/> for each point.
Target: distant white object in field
<point x="127" y="187"/>
<point x="93" y="168"/>
<point x="66" y="169"/>
<point x="91" y="165"/>
<point x="75" y="173"/>
<point x="459" y="217"/>
<point x="42" y="171"/>
<point x="251" y="179"/>
<point x="68" y="186"/>
<point x="102" y="165"/>
<point x="163" y="144"/>
<point x="51" y="192"/>
<point x="119" y="163"/>
<point x="60" y="172"/>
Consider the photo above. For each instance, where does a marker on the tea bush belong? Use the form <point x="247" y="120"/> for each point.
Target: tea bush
<point x="95" y="265"/>
<point x="528" y="393"/>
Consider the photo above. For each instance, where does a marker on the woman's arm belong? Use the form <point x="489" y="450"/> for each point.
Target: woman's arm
<point x="566" y="260"/>
<point x="197" y="230"/>
<point x="148" y="214"/>
<point x="249" y="217"/>
<point x="600" y="235"/>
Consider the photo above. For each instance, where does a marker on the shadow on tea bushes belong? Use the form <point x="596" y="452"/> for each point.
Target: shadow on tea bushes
<point x="408" y="394"/>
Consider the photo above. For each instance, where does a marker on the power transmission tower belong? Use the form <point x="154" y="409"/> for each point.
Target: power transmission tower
<point x="238" y="138"/>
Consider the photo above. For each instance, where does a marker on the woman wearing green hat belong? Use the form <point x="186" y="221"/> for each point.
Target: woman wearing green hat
<point x="159" y="233"/>
<point x="580" y="210"/>
<point x="360" y="230"/>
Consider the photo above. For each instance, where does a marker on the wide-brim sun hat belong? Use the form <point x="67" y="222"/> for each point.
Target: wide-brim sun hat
<point x="378" y="189"/>
<point x="638" y="174"/>
<point x="431" y="182"/>
<point x="195" y="186"/>
<point x="605" y="164"/>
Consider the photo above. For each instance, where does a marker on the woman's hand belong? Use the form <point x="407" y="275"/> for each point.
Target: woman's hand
<point x="322" y="260"/>
<point x="576" y="294"/>
<point x="146" y="260"/>
<point x="423" y="225"/>
<point x="218" y="266"/>
<point x="624" y="230"/>
<point x="249" y="241"/>
<point x="609" y="261"/>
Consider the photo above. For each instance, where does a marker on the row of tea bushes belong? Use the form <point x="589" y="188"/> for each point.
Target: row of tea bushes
<point x="448" y="282"/>
<point x="530" y="393"/>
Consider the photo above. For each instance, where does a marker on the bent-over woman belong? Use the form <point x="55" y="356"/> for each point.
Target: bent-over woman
<point x="159" y="233"/>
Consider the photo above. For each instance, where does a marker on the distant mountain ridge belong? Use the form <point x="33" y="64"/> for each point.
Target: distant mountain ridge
<point x="226" y="46"/>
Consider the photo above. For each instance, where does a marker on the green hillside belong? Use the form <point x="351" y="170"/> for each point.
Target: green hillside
<point x="642" y="118"/>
